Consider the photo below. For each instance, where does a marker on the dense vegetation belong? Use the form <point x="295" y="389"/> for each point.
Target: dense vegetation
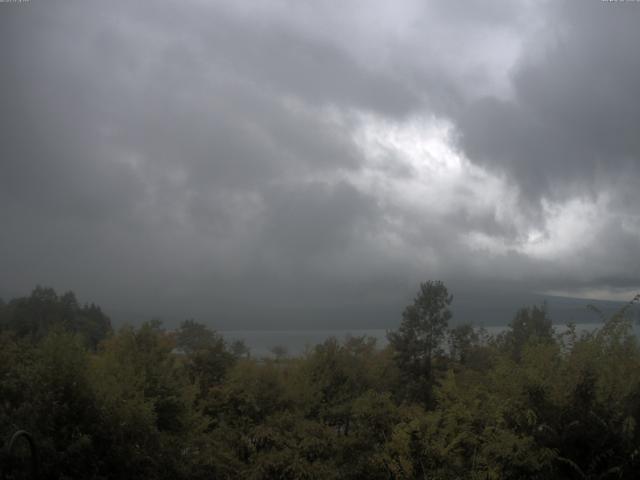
<point x="437" y="403"/>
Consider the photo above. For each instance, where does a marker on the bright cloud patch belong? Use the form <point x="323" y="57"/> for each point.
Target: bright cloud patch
<point x="435" y="199"/>
<point x="418" y="175"/>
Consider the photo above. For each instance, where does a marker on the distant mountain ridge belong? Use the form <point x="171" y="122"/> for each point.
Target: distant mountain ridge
<point x="480" y="309"/>
<point x="562" y="310"/>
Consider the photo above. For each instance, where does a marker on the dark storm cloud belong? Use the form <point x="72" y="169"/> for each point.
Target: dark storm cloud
<point x="201" y="158"/>
<point x="159" y="157"/>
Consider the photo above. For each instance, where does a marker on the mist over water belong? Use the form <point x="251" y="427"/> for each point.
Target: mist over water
<point x="297" y="342"/>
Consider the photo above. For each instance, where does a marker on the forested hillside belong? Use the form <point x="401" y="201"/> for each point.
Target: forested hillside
<point x="438" y="402"/>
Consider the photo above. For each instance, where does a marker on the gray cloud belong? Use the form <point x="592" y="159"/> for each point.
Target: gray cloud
<point x="571" y="124"/>
<point x="208" y="159"/>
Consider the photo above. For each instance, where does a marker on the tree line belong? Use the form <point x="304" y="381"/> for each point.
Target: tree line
<point x="438" y="402"/>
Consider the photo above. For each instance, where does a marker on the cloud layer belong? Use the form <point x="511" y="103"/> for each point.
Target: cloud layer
<point x="294" y="160"/>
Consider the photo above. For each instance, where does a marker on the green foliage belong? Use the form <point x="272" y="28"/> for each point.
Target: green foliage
<point x="419" y="339"/>
<point x="192" y="336"/>
<point x="43" y="311"/>
<point x="463" y="340"/>
<point x="151" y="403"/>
<point x="207" y="356"/>
<point x="529" y="325"/>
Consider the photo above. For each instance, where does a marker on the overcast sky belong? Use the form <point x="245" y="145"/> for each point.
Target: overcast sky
<point x="223" y="159"/>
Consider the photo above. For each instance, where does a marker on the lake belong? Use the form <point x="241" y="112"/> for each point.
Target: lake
<point x="296" y="341"/>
